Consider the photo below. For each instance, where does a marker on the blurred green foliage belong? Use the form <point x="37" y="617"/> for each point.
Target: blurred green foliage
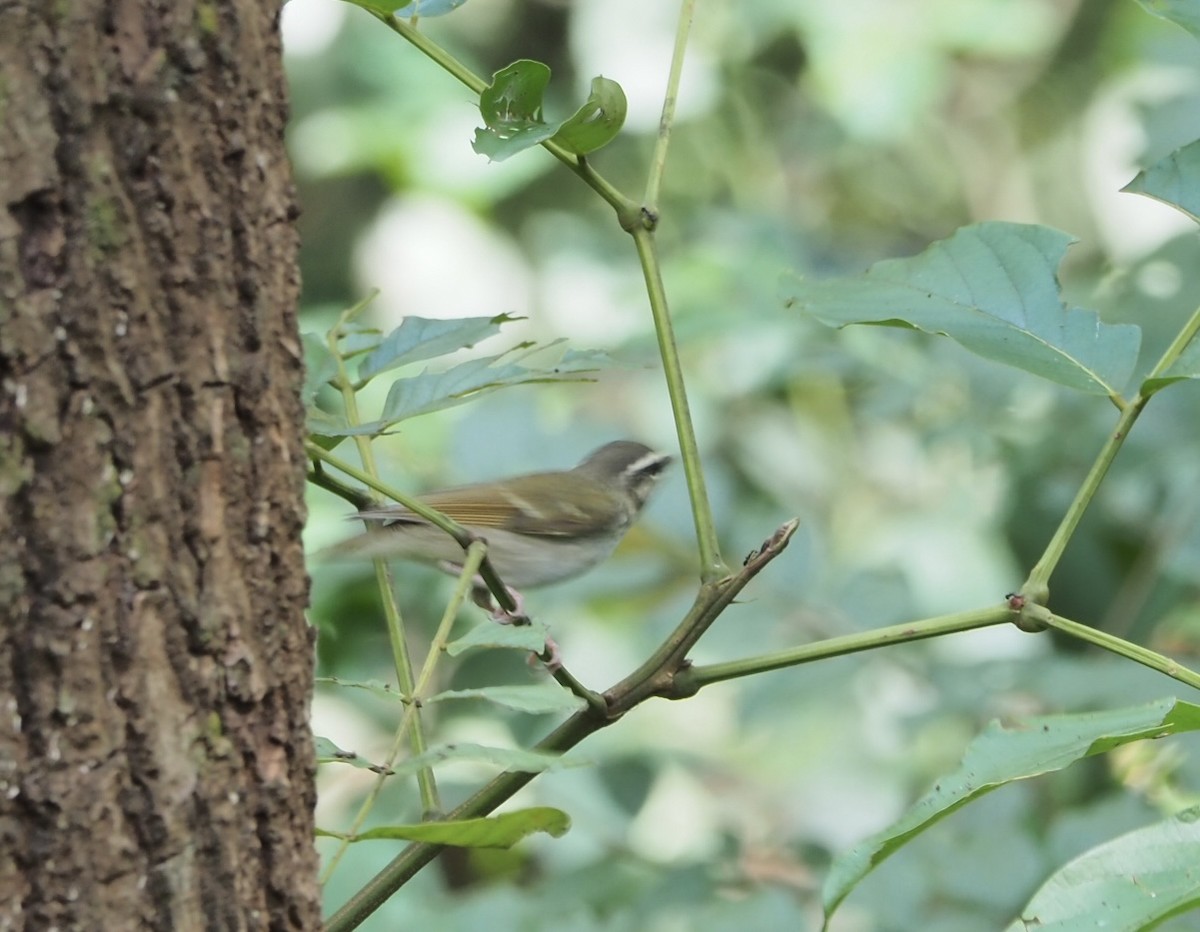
<point x="813" y="137"/>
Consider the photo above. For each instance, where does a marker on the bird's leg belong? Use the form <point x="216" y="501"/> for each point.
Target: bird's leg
<point x="481" y="595"/>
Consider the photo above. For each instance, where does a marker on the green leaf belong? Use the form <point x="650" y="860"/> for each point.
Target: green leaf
<point x="358" y="339"/>
<point x="542" y="698"/>
<point x="519" y="637"/>
<point x="1002" y="755"/>
<point x="433" y="391"/>
<point x="1132" y="882"/>
<point x="1187" y="366"/>
<point x="1185" y="13"/>
<point x="1174" y="180"/>
<point x="598" y="121"/>
<point x="330" y="753"/>
<point x="420" y="338"/>
<point x="501" y="758"/>
<point x="322" y="424"/>
<point x="319" y="367"/>
<point x="499" y="831"/>
<point x="511" y="107"/>
<point x="378" y="688"/>
<point x="325" y="442"/>
<point x="993" y="288"/>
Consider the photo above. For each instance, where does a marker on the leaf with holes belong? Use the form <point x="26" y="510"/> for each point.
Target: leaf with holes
<point x="511" y="107"/>
<point x="598" y="121"/>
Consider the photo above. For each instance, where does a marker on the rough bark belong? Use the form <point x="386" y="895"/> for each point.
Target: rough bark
<point x="155" y="759"/>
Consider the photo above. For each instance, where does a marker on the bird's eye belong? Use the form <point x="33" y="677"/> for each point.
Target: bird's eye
<point x="650" y="469"/>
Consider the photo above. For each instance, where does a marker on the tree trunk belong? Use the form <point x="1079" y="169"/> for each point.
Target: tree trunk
<point x="156" y="765"/>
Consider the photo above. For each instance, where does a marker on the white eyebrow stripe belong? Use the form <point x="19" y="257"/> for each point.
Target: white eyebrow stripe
<point x="645" y="462"/>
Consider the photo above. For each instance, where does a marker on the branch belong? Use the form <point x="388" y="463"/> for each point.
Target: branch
<point x="652" y="678"/>
<point x="693" y="679"/>
<point x="657" y="676"/>
<point x="1116" y="645"/>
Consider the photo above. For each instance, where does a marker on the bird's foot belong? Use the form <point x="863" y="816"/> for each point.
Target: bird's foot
<point x="482" y="596"/>
<point x="550" y="656"/>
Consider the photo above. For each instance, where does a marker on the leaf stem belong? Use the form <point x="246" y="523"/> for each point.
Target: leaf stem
<point x="432" y="50"/>
<point x="658" y="162"/>
<point x="1037" y="585"/>
<point x="475" y="554"/>
<point x="712" y="566"/>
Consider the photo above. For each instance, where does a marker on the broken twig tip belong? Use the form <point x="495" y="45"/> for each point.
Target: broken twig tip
<point x="772" y="546"/>
<point x="785" y="532"/>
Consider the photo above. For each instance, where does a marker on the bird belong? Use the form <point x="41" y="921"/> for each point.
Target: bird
<point x="540" y="528"/>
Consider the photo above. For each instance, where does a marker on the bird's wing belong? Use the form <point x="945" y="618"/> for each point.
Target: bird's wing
<point x="518" y="505"/>
<point x="591" y="510"/>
